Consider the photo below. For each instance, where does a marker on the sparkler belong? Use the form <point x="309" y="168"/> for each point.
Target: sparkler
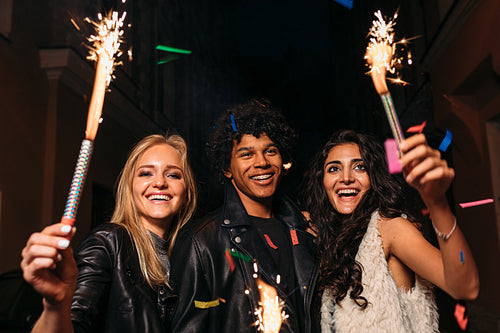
<point x="270" y="314"/>
<point x="104" y="50"/>
<point x="380" y="56"/>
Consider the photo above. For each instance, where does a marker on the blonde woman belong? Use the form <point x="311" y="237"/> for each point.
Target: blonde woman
<point x="118" y="280"/>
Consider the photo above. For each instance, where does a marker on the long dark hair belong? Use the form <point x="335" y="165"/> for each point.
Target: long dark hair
<point x="339" y="236"/>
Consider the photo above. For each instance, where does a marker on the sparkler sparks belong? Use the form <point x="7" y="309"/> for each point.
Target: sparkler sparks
<point x="380" y="56"/>
<point x="104" y="50"/>
<point x="270" y="314"/>
<point x="380" y="51"/>
<point x="107" y="40"/>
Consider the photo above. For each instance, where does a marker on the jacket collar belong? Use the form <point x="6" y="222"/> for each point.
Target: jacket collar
<point x="235" y="214"/>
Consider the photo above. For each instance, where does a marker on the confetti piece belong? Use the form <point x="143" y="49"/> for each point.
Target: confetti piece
<point x="294" y="290"/>
<point x="270" y="242"/>
<point x="233" y="123"/>
<point x="168" y="58"/>
<point x="211" y="129"/>
<point x="392" y="156"/>
<point x="293" y="235"/>
<point x="172" y="49"/>
<point x="256" y="101"/>
<point x="446" y="141"/>
<point x="475" y="203"/>
<point x="460" y="316"/>
<point x="425" y="212"/>
<point x="417" y="128"/>
<point x="346" y="3"/>
<point x="230" y="260"/>
<point x="206" y="305"/>
<point x="462" y="257"/>
<point x="240" y="255"/>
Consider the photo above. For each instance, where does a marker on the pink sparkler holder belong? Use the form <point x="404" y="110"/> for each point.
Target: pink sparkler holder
<point x="76" y="188"/>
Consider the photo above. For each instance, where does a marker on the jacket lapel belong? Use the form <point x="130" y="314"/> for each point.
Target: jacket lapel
<point x="302" y="242"/>
<point x="245" y="238"/>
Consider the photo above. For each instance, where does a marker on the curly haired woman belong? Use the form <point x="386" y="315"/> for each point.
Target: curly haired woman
<point x="375" y="263"/>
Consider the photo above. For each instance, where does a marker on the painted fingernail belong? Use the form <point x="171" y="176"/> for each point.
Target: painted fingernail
<point x="63" y="243"/>
<point x="59" y="257"/>
<point x="65" y="229"/>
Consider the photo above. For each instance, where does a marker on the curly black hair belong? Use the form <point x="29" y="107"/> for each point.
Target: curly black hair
<point x="254" y="118"/>
<point x="339" y="236"/>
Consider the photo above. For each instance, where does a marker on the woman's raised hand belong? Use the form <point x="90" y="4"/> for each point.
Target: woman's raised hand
<point x="48" y="263"/>
<point x="425" y="170"/>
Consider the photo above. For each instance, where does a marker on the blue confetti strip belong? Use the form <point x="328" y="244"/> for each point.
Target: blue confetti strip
<point x="211" y="129"/>
<point x="462" y="257"/>
<point x="233" y="123"/>
<point x="446" y="141"/>
<point x="346" y="3"/>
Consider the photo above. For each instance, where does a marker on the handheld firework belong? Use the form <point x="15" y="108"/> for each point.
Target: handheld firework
<point x="380" y="56"/>
<point x="104" y="50"/>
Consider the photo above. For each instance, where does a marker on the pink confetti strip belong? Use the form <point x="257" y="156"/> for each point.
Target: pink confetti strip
<point x="270" y="242"/>
<point x="417" y="128"/>
<point x="475" y="203"/>
<point x="392" y="156"/>
<point x="230" y="260"/>
<point x="460" y="316"/>
<point x="293" y="235"/>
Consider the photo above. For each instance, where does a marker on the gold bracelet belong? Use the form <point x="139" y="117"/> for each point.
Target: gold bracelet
<point x="443" y="236"/>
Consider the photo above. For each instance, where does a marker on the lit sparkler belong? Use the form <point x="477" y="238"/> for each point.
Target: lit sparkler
<point x="380" y="56"/>
<point x="104" y="50"/>
<point x="270" y="314"/>
<point x="105" y="44"/>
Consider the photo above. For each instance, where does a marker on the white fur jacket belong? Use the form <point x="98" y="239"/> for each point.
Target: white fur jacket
<point x="389" y="308"/>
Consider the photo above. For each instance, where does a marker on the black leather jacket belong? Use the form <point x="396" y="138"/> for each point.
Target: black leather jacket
<point x="202" y="273"/>
<point x="111" y="294"/>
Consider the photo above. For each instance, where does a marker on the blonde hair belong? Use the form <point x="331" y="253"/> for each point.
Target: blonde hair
<point x="126" y="214"/>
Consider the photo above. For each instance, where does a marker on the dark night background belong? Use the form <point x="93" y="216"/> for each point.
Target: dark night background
<point x="304" y="56"/>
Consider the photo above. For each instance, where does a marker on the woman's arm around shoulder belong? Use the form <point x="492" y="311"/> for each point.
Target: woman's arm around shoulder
<point x="311" y="228"/>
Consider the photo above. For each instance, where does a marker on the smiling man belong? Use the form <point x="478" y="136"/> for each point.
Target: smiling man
<point x="257" y="234"/>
